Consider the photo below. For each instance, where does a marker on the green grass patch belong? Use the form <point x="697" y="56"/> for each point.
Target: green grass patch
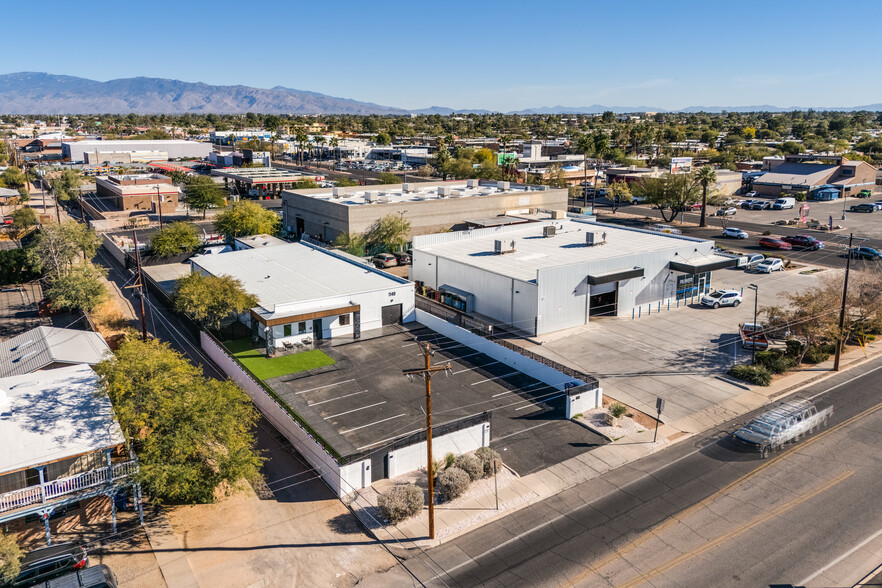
<point x="265" y="369"/>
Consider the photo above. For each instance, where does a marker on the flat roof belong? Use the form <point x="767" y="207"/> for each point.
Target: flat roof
<point x="254" y="241"/>
<point x="42" y="346"/>
<point x="392" y="193"/>
<point x="261" y="175"/>
<point x="533" y="252"/>
<point x="53" y="415"/>
<point x="295" y="272"/>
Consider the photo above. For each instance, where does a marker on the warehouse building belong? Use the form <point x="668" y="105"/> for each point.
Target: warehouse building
<point x="172" y="148"/>
<point x="430" y="207"/>
<point x="261" y="181"/>
<point x="308" y="294"/>
<point x="143" y="192"/>
<point x="809" y="172"/>
<point x="552" y="275"/>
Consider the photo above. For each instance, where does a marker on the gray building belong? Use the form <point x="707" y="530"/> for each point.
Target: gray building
<point x="174" y="148"/>
<point x="430" y="207"/>
<point x="553" y="275"/>
<point x="44" y="348"/>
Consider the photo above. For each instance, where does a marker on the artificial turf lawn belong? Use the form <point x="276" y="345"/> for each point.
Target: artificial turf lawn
<point x="256" y="362"/>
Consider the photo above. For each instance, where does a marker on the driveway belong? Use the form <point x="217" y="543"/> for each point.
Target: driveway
<point x="680" y="354"/>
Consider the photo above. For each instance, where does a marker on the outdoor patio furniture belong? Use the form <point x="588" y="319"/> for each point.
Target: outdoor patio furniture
<point x="288" y="344"/>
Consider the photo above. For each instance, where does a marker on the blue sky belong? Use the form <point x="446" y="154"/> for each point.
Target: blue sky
<point x="495" y="55"/>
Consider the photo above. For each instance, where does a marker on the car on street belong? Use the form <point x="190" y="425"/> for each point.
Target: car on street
<point x="746" y="204"/>
<point x="727" y="211"/>
<point x="734" y="233"/>
<point x="760" y="205"/>
<point x="775" y="243"/>
<point x="384" y="260"/>
<point x="769" y="265"/>
<point x="864" y="194"/>
<point x="868" y="253"/>
<point x="402" y="258"/>
<point x="719" y="298"/>
<point x="863" y="207"/>
<point x="46" y="563"/>
<point x="695" y="206"/>
<point x="601" y="192"/>
<point x="803" y="242"/>
<point x="878" y="204"/>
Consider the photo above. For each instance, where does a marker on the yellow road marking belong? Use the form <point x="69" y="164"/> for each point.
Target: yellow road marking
<point x="683" y="557"/>
<point x="648" y="534"/>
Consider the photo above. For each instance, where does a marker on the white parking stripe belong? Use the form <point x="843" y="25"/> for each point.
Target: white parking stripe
<point x="496" y="378"/>
<point x="337" y="398"/>
<point x="477" y="367"/>
<point x="531" y="405"/>
<point x="325" y="386"/>
<point x="354" y="410"/>
<point x="397" y="416"/>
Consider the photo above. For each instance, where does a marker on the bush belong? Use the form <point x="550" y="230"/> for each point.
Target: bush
<point x="775" y="360"/>
<point x="818" y="353"/>
<point x="401" y="502"/>
<point x="470" y="465"/>
<point x="752" y="374"/>
<point x="449" y="459"/>
<point x="451" y="484"/>
<point x="799" y="196"/>
<point x="794" y="348"/>
<point x="487" y="457"/>
<point x="767" y="233"/>
<point x="617" y="410"/>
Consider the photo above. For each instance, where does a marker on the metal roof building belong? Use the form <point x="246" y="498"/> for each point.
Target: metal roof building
<point x="50" y="347"/>
<point x="175" y="148"/>
<point x="553" y="275"/>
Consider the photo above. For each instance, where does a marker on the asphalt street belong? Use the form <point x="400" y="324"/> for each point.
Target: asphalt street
<point x="700" y="513"/>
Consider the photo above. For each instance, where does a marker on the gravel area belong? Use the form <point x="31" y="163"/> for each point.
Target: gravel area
<point x="596" y="419"/>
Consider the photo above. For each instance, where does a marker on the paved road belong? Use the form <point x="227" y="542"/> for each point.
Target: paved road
<point x="700" y="513"/>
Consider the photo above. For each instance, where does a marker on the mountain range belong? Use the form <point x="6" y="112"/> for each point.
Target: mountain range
<point x="43" y="93"/>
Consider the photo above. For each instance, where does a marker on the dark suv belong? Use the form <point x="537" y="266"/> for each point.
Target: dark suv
<point x="94" y="577"/>
<point x="49" y="562"/>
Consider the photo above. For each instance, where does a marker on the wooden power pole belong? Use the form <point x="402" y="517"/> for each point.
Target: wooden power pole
<point x="140" y="286"/>
<point x="427" y="372"/>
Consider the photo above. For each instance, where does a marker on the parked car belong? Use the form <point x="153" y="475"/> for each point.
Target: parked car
<point x="803" y="242"/>
<point x="384" y="260"/>
<point x="601" y="192"/>
<point x="719" y="298"/>
<point x="695" y="206"/>
<point x="751" y="194"/>
<point x="746" y="204"/>
<point x="749" y="262"/>
<point x="760" y="205"/>
<point x="878" y="204"/>
<point x="734" y="233"/>
<point x="44" y="564"/>
<point x="94" y="577"/>
<point x="775" y="243"/>
<point x="727" y="211"/>
<point x="402" y="258"/>
<point x="769" y="265"/>
<point x="784" y="203"/>
<point x="863" y="207"/>
<point x="864" y="194"/>
<point x="866" y="253"/>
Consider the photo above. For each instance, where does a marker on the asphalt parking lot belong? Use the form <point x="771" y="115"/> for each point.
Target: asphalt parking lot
<point x="364" y="402"/>
<point x="18" y="309"/>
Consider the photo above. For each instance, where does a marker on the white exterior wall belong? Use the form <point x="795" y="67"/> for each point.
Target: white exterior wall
<point x="413" y="457"/>
<point x="175" y="148"/>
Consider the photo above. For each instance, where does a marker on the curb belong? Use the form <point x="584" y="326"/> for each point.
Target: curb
<point x="592" y="429"/>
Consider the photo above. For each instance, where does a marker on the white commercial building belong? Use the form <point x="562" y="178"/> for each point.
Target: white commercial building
<point x="172" y="148"/>
<point x="553" y="275"/>
<point x="307" y="293"/>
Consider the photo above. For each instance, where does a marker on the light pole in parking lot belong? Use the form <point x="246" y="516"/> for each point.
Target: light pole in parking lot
<point x="755" y="289"/>
<point x="844" y="200"/>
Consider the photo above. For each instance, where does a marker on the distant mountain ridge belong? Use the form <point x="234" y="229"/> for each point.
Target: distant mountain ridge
<point x="43" y="93"/>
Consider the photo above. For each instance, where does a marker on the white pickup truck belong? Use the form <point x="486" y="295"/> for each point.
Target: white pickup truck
<point x="783" y="424"/>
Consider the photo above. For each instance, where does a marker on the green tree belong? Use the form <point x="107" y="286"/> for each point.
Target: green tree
<point x="791" y="147"/>
<point x="387" y="178"/>
<point x="23" y="218"/>
<point x="389" y="233"/>
<point x="10" y="557"/>
<point x="306" y="185"/>
<point x="383" y="139"/>
<point x="244" y="218"/>
<point x="58" y="246"/>
<point x="344" y="182"/>
<point x="13" y="177"/>
<point x="211" y="299"/>
<point x="65" y="186"/>
<point x="669" y="193"/>
<point x="202" y="193"/>
<point x="175" y="238"/>
<point x="706" y="176"/>
<point x="351" y="243"/>
<point x="80" y="288"/>
<point x="193" y="436"/>
<point x="618" y="192"/>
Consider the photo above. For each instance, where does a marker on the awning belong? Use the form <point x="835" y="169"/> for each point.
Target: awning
<point x="597" y="279"/>
<point x="303" y="316"/>
<point x="705" y="263"/>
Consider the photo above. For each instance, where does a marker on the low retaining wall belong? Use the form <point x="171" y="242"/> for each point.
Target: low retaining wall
<point x="413" y="457"/>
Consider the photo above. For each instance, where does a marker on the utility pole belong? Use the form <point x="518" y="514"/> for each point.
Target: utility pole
<point x="140" y="286"/>
<point x="427" y="372"/>
<point x="159" y="205"/>
<point x="842" y="310"/>
<point x="755" y="289"/>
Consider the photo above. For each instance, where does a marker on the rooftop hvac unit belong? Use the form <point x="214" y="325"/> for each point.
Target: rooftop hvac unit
<point x="370" y="196"/>
<point x="472" y="183"/>
<point x="455" y="194"/>
<point x="406" y="188"/>
<point x="589" y="239"/>
<point x="500" y="246"/>
<point x="444" y="191"/>
<point x="339" y="192"/>
<point x="549" y="231"/>
<point x="383" y="199"/>
<point x="558" y="214"/>
<point x="503" y="186"/>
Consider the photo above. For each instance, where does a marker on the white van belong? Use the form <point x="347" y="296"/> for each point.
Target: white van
<point x="783" y="203"/>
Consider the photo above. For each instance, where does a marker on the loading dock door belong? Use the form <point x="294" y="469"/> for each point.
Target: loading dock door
<point x="604" y="299"/>
<point x="391" y="314"/>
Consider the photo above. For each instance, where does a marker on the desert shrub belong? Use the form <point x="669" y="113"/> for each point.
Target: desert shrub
<point x="618" y="410"/>
<point x="449" y="459"/>
<point x="767" y="233"/>
<point x="470" y="465"/>
<point x="818" y="353"/>
<point x="451" y="483"/>
<point x="487" y="457"/>
<point x="775" y="360"/>
<point x="794" y="348"/>
<point x="400" y="502"/>
<point x="752" y="374"/>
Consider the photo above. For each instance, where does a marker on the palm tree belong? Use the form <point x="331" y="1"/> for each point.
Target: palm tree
<point x="585" y="145"/>
<point x="334" y="143"/>
<point x="705" y="176"/>
<point x="302" y="139"/>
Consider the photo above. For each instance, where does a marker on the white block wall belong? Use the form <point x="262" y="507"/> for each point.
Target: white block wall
<point x="413" y="457"/>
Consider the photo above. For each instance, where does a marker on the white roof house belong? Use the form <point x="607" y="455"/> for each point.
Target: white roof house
<point x="46" y="347"/>
<point x="53" y="415"/>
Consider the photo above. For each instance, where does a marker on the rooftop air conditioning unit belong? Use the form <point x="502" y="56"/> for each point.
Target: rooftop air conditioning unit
<point x="503" y="186"/>
<point x="444" y="191"/>
<point x="339" y="192"/>
<point x="406" y="188"/>
<point x="549" y="231"/>
<point x="558" y="214"/>
<point x="383" y="198"/>
<point x="500" y="246"/>
<point x="589" y="239"/>
<point x="370" y="196"/>
<point x="472" y="183"/>
<point x="455" y="194"/>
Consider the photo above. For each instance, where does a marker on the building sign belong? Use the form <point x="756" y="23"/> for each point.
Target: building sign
<point x="681" y="165"/>
<point x="685" y="285"/>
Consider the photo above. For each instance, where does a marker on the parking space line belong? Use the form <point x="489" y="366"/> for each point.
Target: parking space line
<point x="355" y="410"/>
<point x="536" y="405"/>
<point x="523" y="431"/>
<point x="337" y="398"/>
<point x="522" y="389"/>
<point x="474" y="368"/>
<point x="496" y="378"/>
<point x="325" y="386"/>
<point x="397" y="416"/>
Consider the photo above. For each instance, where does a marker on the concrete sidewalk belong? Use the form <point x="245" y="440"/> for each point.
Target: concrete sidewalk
<point x="463" y="516"/>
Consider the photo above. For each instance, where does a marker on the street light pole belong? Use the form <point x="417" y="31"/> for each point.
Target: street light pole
<point x="159" y="205"/>
<point x="755" y="289"/>
<point x="840" y="340"/>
